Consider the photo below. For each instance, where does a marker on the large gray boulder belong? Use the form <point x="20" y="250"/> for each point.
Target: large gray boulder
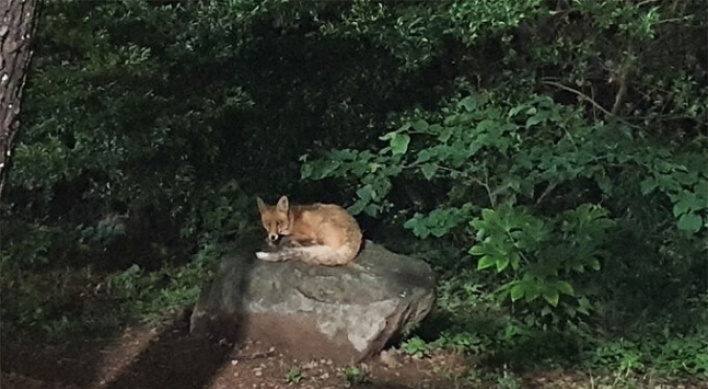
<point x="345" y="313"/>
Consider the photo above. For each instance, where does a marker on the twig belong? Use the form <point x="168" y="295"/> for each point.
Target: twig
<point x="546" y="192"/>
<point x="622" y="76"/>
<point x="485" y="185"/>
<point x="589" y="100"/>
<point x="579" y="94"/>
<point x="255" y="356"/>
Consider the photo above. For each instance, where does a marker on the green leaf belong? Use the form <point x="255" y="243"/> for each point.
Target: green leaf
<point x="486" y="262"/>
<point x="420" y="125"/>
<point x="435" y="129"/>
<point x="551" y="295"/>
<point x="393" y="134"/>
<point x="647" y="186"/>
<point x="595" y="264"/>
<point x="374" y="166"/>
<point x="418" y="226"/>
<point x="306" y="171"/>
<point x="584" y="306"/>
<point x="517" y="292"/>
<point x="478" y="250"/>
<point x="424" y="156"/>
<point x="531" y="292"/>
<point x="410" y="223"/>
<point x="357" y="207"/>
<point x="445" y="134"/>
<point x="320" y="169"/>
<point x="687" y="201"/>
<point x="579" y="267"/>
<point x="537" y="118"/>
<point x="469" y="103"/>
<point x="701" y="189"/>
<point x="399" y="144"/>
<point x="515" y="111"/>
<point x="372" y="210"/>
<point x="366" y="193"/>
<point x="429" y="170"/>
<point x="565" y="288"/>
<point x="690" y="222"/>
<point x="515" y="259"/>
<point x="502" y="263"/>
<point x="404" y="127"/>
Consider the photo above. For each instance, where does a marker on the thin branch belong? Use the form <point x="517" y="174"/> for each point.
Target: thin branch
<point x="485" y="184"/>
<point x="672" y="20"/>
<point x="579" y="94"/>
<point x="545" y="193"/>
<point x="588" y="99"/>
<point x="594" y="108"/>
<point x="621" y="93"/>
<point x="622" y="76"/>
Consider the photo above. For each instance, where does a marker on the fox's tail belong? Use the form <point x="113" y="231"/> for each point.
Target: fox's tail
<point x="315" y="255"/>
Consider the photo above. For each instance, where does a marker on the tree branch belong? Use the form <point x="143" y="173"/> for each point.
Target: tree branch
<point x="622" y="76"/>
<point x="588" y="99"/>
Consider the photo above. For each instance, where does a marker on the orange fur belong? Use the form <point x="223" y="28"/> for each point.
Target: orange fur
<point x="322" y="234"/>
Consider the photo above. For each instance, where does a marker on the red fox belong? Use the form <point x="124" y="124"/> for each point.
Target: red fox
<point x="322" y="234"/>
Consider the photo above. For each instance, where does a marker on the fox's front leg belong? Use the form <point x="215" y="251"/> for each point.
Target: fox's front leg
<point x="300" y="240"/>
<point x="287" y="241"/>
<point x="303" y="243"/>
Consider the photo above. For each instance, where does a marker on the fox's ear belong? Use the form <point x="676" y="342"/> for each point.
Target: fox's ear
<point x="283" y="204"/>
<point x="261" y="205"/>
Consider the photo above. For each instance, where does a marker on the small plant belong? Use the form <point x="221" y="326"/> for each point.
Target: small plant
<point x="355" y="376"/>
<point x="416" y="347"/>
<point x="508" y="381"/>
<point x="294" y="375"/>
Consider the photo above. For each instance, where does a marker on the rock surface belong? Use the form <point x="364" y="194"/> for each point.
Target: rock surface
<point x="344" y="313"/>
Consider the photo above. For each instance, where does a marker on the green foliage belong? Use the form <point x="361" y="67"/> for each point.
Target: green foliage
<point x="356" y="376"/>
<point x="294" y="375"/>
<point x="546" y="158"/>
<point x="416" y="347"/>
<point x="678" y="356"/>
<point x="507" y="381"/>
<point x="155" y="295"/>
<point x="69" y="304"/>
<point x="550" y="193"/>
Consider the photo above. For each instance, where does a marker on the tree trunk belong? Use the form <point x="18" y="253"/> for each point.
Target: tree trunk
<point x="17" y="19"/>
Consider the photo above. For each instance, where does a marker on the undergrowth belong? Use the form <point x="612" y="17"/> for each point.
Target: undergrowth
<point x="490" y="332"/>
<point x="546" y="158"/>
<point x="69" y="304"/>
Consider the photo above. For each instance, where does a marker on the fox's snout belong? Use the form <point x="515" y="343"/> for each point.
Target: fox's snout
<point x="272" y="237"/>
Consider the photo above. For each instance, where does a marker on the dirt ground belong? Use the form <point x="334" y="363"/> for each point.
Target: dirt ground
<point x="144" y="358"/>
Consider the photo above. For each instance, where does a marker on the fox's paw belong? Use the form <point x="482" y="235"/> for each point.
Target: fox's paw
<point x="270" y="257"/>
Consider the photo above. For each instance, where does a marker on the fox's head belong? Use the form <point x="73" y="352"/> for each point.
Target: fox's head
<point x="275" y="218"/>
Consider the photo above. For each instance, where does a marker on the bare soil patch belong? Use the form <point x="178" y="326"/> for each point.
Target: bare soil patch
<point x="145" y="358"/>
<point x="149" y="358"/>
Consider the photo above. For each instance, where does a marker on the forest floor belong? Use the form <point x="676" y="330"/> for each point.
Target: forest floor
<point x="149" y="358"/>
